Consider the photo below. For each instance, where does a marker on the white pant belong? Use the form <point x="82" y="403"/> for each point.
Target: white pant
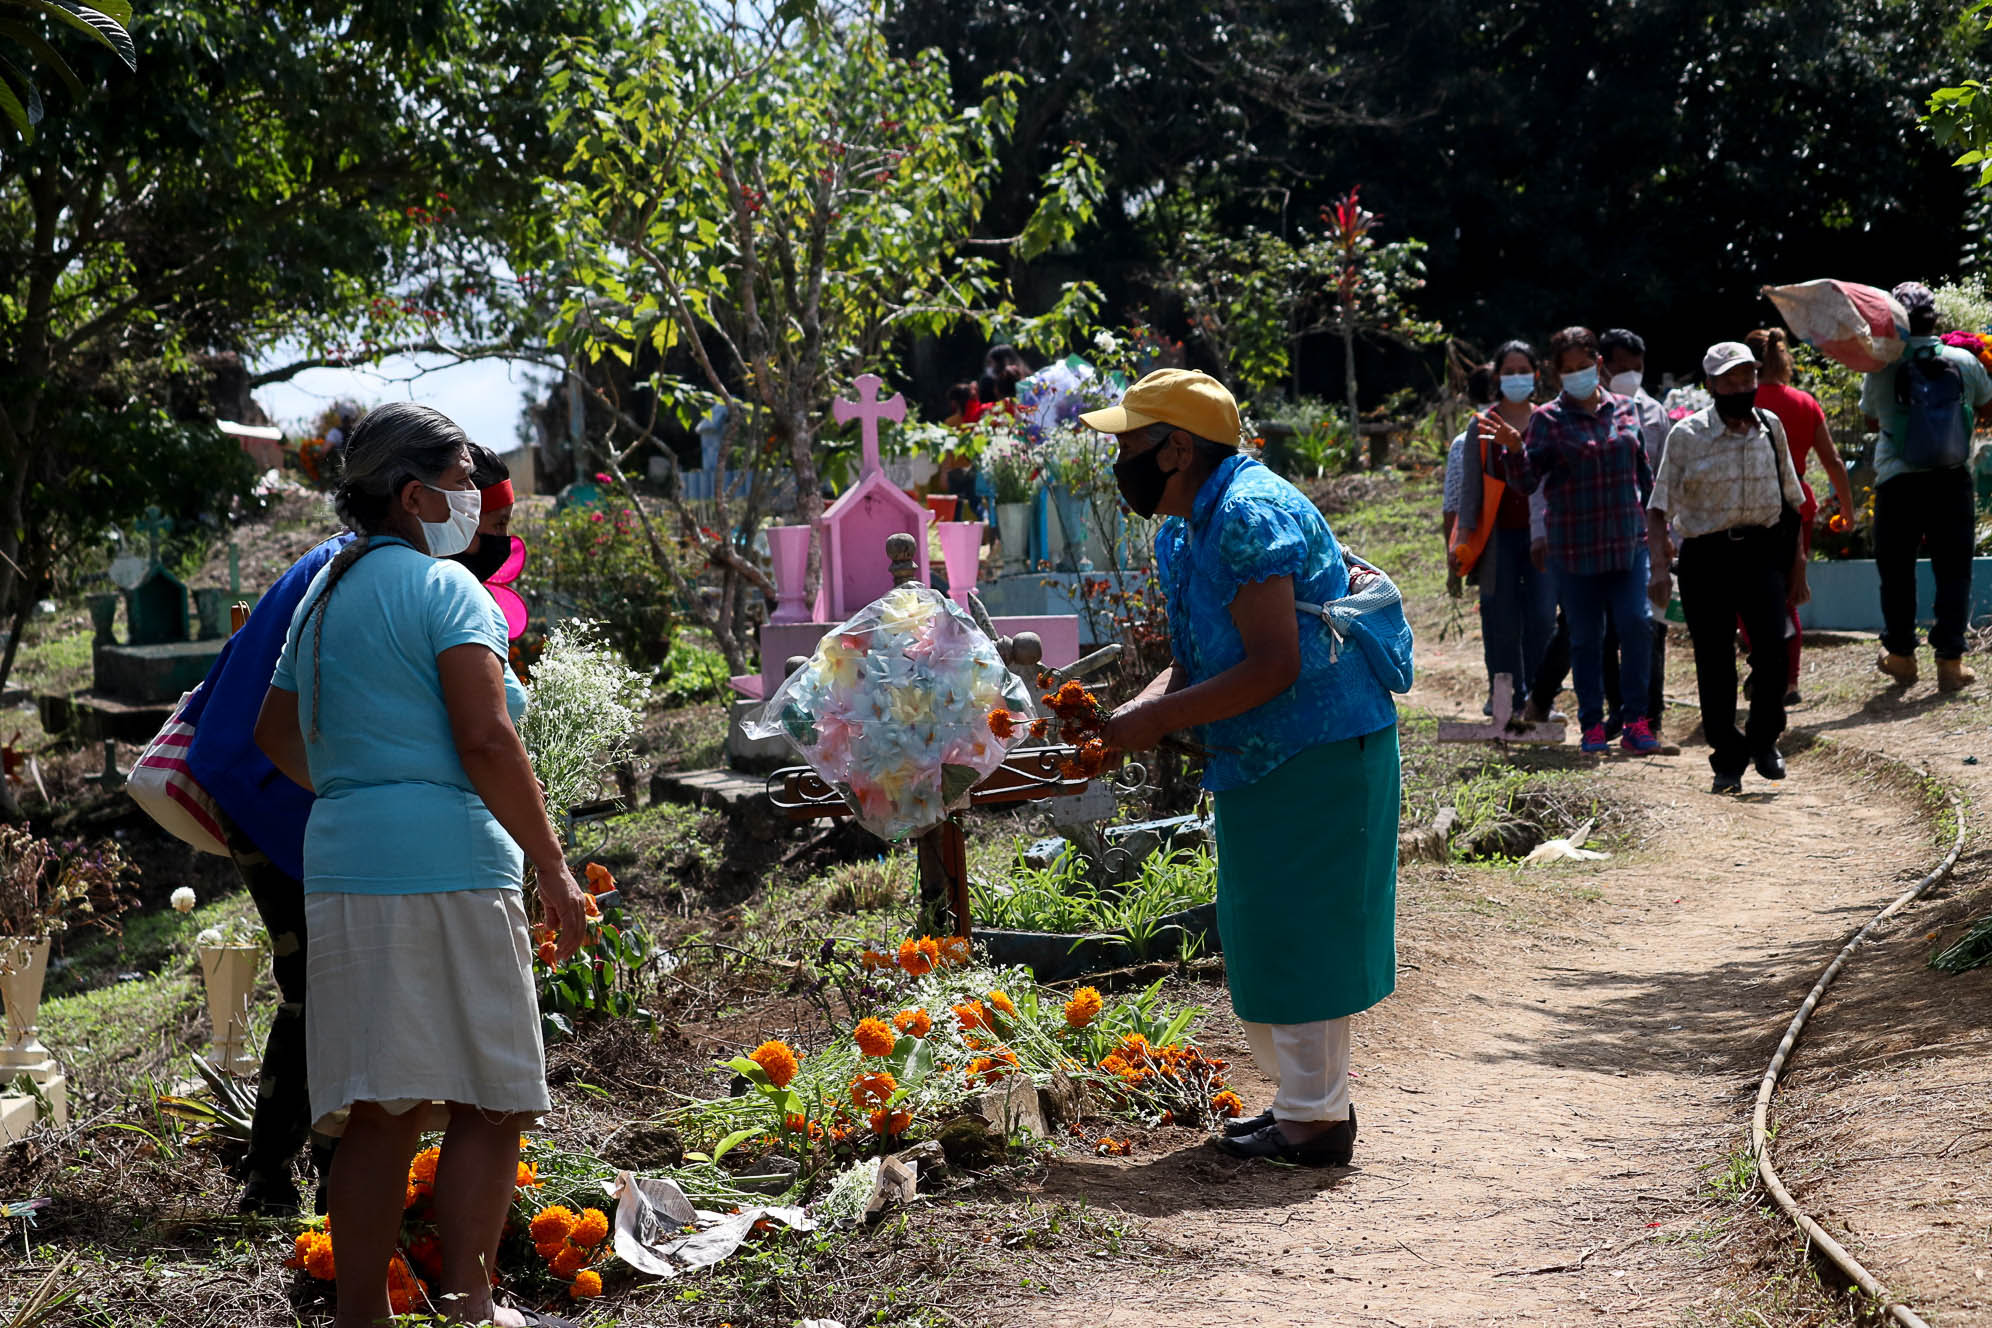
<point x="1309" y="1063"/>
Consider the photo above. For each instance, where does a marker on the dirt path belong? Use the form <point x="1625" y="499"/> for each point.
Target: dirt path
<point x="1541" y="1107"/>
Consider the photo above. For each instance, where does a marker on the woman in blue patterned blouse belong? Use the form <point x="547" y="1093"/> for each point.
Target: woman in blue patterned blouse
<point x="1303" y="740"/>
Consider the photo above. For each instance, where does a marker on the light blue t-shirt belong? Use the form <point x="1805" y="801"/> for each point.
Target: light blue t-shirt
<point x="1878" y="402"/>
<point x="395" y="812"/>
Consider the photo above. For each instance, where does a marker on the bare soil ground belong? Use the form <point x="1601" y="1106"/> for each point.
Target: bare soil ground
<point x="1552" y="1115"/>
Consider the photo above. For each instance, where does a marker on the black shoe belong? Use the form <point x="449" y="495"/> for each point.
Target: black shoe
<point x="1792" y="697"/>
<point x="1770" y="763"/>
<point x="1727" y="784"/>
<point x="266" y="1196"/>
<point x="1333" y="1149"/>
<point x="1241" y="1126"/>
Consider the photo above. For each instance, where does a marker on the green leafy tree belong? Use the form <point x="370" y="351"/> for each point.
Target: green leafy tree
<point x="1961" y="116"/>
<point x="780" y="214"/>
<point x="285" y="175"/>
<point x="24" y="41"/>
<point x="1369" y="294"/>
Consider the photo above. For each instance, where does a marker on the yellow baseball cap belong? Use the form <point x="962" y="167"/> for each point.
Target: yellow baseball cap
<point x="1185" y="398"/>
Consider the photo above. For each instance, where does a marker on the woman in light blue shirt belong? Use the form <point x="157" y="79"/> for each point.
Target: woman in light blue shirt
<point x="392" y="702"/>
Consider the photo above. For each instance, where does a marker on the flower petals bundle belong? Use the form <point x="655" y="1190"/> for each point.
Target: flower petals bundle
<point x="893" y="710"/>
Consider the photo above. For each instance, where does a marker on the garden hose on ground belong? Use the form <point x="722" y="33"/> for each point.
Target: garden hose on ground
<point x="1760" y="1141"/>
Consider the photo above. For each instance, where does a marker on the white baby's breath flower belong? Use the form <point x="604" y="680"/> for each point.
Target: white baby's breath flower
<point x="183" y="899"/>
<point x="583" y="710"/>
<point x="1106" y="342"/>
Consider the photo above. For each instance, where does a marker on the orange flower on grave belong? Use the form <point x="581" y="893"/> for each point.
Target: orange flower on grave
<point x="778" y="1060"/>
<point x="972" y="1016"/>
<point x="1084" y="1007"/>
<point x="405" y="1291"/>
<point x="1113" y="1147"/>
<point x="426" y="1253"/>
<point x="954" y="950"/>
<point x="1039" y="727"/>
<point x="547" y="951"/>
<point x="931" y="948"/>
<point x="599" y="879"/>
<point x="913" y="1023"/>
<point x="914" y="960"/>
<point x="873" y="1088"/>
<point x="551" y="1225"/>
<point x="1001" y="1001"/>
<point x="590" y="1228"/>
<point x="528" y="1176"/>
<point x="1002" y="724"/>
<point x="875" y="1037"/>
<point x="1227" y="1103"/>
<point x="568" y="1262"/>
<point x="319" y="1263"/>
<point x="989" y="1069"/>
<point x="589" y="907"/>
<point x="422" y="1171"/>
<point x="798" y="1123"/>
<point x="587" y="1285"/>
<point x="871" y="961"/>
<point x="885" y="1123"/>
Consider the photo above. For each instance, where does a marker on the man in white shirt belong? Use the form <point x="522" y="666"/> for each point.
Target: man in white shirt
<point x="1726" y="484"/>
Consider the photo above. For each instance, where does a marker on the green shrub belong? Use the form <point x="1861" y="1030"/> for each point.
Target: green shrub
<point x="591" y="561"/>
<point x="691" y="674"/>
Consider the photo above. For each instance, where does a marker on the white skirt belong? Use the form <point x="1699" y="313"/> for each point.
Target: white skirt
<point x="412" y="1001"/>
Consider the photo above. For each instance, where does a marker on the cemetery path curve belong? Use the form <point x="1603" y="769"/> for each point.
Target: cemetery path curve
<point x="1548" y="1097"/>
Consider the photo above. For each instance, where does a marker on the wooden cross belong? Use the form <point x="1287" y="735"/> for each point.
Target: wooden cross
<point x="868" y="410"/>
<point x="155" y="525"/>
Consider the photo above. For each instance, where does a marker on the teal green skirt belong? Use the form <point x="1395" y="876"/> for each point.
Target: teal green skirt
<point x="1307" y="883"/>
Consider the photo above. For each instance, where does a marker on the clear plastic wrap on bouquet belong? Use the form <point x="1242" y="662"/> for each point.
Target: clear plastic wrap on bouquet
<point x="893" y="710"/>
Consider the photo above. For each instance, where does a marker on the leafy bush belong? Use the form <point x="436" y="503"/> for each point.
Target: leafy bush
<point x="1060" y="899"/>
<point x="593" y="562"/>
<point x="690" y="674"/>
<point x="1319" y="440"/>
<point x="1964" y="306"/>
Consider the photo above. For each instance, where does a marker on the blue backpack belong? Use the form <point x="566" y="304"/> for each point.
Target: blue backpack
<point x="1936" y="431"/>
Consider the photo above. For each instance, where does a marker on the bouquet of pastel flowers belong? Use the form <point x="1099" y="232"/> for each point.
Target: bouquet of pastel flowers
<point x="893" y="710"/>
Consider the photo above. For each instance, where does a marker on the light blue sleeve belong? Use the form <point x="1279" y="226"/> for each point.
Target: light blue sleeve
<point x="1256" y="541"/>
<point x="1878" y="392"/>
<point x="1976" y="379"/>
<point x="461" y="612"/>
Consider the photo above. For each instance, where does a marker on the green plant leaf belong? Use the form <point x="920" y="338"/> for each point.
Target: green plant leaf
<point x="24" y="117"/>
<point x="44" y="54"/>
<point x="732" y="1141"/>
<point x="94" y="23"/>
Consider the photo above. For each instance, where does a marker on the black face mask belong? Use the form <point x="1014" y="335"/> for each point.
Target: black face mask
<point x="1142" y="480"/>
<point x="1735" y="407"/>
<point x="486" y="556"/>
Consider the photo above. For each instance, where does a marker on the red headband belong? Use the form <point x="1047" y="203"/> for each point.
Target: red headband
<point x="497" y="496"/>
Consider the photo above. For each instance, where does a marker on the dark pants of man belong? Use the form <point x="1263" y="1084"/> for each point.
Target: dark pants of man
<point x="282" y="1123"/>
<point x="1724" y="579"/>
<point x="1555" y="670"/>
<point x="1933" y="508"/>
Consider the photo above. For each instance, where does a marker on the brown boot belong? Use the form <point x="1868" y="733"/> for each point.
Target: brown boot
<point x="1952" y="675"/>
<point x="1902" y="668"/>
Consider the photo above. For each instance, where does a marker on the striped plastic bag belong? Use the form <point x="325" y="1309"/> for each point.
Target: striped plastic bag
<point x="163" y="785"/>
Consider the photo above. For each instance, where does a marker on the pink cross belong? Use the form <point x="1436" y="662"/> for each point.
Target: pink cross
<point x="868" y="410"/>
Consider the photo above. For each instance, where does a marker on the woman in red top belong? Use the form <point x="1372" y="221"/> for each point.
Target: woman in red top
<point x="1805" y="431"/>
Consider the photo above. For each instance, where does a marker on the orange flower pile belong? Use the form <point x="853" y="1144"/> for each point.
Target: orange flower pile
<point x="569" y="1242"/>
<point x="778" y="1060"/>
<point x="875" y="1037"/>
<point x="871" y="961"/>
<point x="1084" y="1007"/>
<point x="406" y="1293"/>
<point x="989" y="1069"/>
<point x="874" y="1088"/>
<point x="312" y="1251"/>
<point x="1001" y="1001"/>
<point x="1112" y="1147"/>
<point x="954" y="950"/>
<point x="884" y="1123"/>
<point x="1227" y="1103"/>
<point x="972" y="1016"/>
<point x="913" y="1023"/>
<point x="919" y="957"/>
<point x="1081" y="720"/>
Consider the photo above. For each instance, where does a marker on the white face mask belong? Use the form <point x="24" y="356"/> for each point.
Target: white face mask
<point x="1625" y="384"/>
<point x="453" y="536"/>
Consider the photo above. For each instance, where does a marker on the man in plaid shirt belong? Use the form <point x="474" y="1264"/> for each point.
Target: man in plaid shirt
<point x="1585" y="450"/>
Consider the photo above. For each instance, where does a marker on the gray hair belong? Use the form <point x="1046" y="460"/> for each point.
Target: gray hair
<point x="1212" y="452"/>
<point x="393" y="444"/>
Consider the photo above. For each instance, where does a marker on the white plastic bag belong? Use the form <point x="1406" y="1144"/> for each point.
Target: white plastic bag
<point x="1860" y="326"/>
<point x="894" y="709"/>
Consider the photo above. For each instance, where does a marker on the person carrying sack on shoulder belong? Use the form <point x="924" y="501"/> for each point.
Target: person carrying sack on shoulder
<point x="1923" y="405"/>
<point x="1726" y="483"/>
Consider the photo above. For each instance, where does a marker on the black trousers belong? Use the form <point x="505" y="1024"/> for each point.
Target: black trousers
<point x="1555" y="671"/>
<point x="1933" y="507"/>
<point x="1722" y="580"/>
<point x="282" y="1122"/>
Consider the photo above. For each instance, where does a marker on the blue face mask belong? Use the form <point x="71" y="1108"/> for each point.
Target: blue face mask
<point x="1518" y="387"/>
<point x="1580" y="384"/>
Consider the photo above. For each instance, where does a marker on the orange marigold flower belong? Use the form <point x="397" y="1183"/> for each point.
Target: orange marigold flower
<point x="1002" y="1001"/>
<point x="426" y="1252"/>
<point x="568" y="1262"/>
<point x="589" y="907"/>
<point x="1039" y="727"/>
<point x="971" y="1015"/>
<point x="800" y="1124"/>
<point x="778" y="1060"/>
<point x="931" y="948"/>
<point x="423" y="1169"/>
<point x="1084" y="1007"/>
<point x="405" y="1291"/>
<point x="587" y="1285"/>
<point x="319" y="1262"/>
<point x="599" y="879"/>
<point x="914" y="1023"/>
<point x="414" y="1194"/>
<point x="954" y="950"/>
<point x="884" y="1122"/>
<point x="875" y="1037"/>
<point x="872" y="960"/>
<point x="913" y="961"/>
<point x="1227" y="1103"/>
<point x="873" y="1088"/>
<point x="1002" y="724"/>
<point x="549" y="1250"/>
<point x="1113" y="1147"/>
<point x="551" y="1225"/>
<point x="528" y="1176"/>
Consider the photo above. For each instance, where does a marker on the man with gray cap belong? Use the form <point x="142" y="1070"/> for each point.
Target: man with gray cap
<point x="1923" y="406"/>
<point x="1726" y="483"/>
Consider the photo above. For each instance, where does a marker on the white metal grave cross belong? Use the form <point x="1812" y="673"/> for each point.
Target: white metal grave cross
<point x="868" y="410"/>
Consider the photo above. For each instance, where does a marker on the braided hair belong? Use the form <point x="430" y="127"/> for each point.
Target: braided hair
<point x="393" y="444"/>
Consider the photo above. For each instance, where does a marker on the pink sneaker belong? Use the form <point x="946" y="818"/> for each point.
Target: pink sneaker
<point x="1595" y="740"/>
<point x="1638" y="739"/>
